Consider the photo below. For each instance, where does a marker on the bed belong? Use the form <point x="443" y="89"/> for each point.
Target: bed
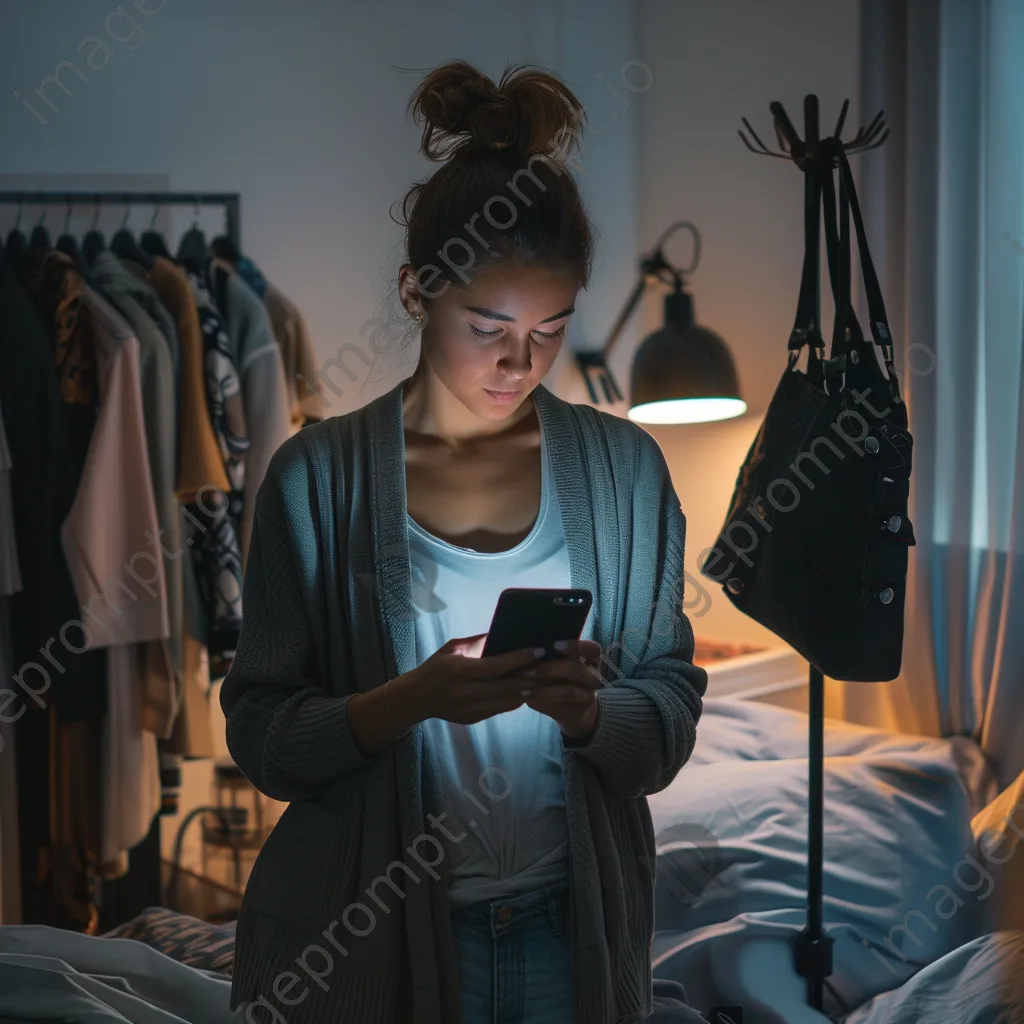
<point x="902" y="815"/>
<point x="906" y="887"/>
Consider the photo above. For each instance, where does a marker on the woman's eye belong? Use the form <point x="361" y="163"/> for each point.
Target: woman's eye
<point x="560" y="333"/>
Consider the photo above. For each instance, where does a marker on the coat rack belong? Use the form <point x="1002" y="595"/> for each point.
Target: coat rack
<point x="813" y="949"/>
<point x="230" y="201"/>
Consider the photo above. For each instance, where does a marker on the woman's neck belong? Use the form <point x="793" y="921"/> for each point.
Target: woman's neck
<point x="430" y="408"/>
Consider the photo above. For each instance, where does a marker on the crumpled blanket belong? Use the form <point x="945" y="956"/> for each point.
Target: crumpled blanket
<point x="49" y="974"/>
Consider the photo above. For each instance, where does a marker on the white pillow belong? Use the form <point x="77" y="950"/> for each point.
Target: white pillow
<point x="999" y="831"/>
<point x="732" y="864"/>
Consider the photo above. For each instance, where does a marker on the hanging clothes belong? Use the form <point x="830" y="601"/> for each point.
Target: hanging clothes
<point x="10" y="845"/>
<point x="201" y="476"/>
<point x="48" y="348"/>
<point x="10" y="583"/>
<point x="10" y="571"/>
<point x="298" y="356"/>
<point x="137" y="303"/>
<point x="145" y="294"/>
<point x="106" y="540"/>
<point x="217" y="550"/>
<point x="264" y="392"/>
<point x="305" y="390"/>
<point x="200" y="467"/>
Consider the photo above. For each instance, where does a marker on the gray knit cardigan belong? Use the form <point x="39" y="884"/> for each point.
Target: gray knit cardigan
<point x="345" y="916"/>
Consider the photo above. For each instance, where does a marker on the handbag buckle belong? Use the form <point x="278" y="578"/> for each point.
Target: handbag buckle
<point x="842" y="384"/>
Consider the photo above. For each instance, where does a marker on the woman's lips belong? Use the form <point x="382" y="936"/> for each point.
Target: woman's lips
<point x="503" y="396"/>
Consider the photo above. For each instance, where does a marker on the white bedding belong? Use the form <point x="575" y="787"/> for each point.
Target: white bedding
<point x="731" y="832"/>
<point x="981" y="982"/>
<point x="49" y="974"/>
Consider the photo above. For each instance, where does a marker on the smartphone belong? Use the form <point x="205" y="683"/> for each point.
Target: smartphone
<point x="537" y="617"/>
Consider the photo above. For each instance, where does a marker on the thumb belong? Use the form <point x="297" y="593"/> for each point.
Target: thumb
<point x="468" y="646"/>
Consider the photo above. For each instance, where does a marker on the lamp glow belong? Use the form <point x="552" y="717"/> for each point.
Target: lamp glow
<point x="688" y="410"/>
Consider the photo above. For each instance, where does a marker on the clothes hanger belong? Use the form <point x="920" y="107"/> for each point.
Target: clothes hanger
<point x="39" y="241"/>
<point x="193" y="252"/>
<point x="228" y="254"/>
<point x="68" y="245"/>
<point x="223" y="248"/>
<point x="94" y="243"/>
<point x="152" y="241"/>
<point x="124" y="246"/>
<point x="17" y="245"/>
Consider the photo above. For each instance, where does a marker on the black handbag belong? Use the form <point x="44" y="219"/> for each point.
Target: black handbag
<point x="815" y="543"/>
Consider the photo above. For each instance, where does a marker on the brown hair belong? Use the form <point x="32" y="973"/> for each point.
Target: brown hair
<point x="505" y="192"/>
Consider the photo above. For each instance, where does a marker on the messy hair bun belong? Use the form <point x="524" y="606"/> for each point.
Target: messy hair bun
<point x="505" y="191"/>
<point x="463" y="110"/>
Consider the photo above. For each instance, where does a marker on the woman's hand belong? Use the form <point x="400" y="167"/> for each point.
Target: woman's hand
<point x="565" y="689"/>
<point x="459" y="685"/>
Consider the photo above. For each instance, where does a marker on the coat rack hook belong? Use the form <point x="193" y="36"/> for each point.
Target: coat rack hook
<point x="67" y="216"/>
<point x="152" y="220"/>
<point x="792" y="147"/>
<point x="842" y="119"/>
<point x="95" y="212"/>
<point x="127" y="214"/>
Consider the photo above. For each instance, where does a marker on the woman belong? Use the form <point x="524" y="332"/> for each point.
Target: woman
<point x="467" y="838"/>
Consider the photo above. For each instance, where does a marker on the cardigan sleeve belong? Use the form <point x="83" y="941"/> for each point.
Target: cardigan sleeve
<point x="286" y="732"/>
<point x="647" y="719"/>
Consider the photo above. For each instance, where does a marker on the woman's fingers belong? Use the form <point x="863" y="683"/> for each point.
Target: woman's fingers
<point x="495" y="665"/>
<point x="571" y="670"/>
<point x="588" y="650"/>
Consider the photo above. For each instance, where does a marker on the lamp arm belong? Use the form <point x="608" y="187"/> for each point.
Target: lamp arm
<point x="654" y="265"/>
<point x="624" y="315"/>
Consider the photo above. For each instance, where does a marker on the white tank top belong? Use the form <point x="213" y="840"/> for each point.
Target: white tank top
<point x="503" y="788"/>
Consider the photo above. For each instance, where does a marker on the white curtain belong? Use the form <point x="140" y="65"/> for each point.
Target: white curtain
<point x="944" y="209"/>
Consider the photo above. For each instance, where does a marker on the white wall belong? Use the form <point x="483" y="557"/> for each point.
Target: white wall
<point x="715" y="62"/>
<point x="300" y="107"/>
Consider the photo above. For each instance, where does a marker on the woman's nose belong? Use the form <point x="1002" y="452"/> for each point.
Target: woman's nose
<point x="516" y="359"/>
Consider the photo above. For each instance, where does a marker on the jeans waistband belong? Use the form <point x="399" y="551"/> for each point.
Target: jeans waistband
<point x="547" y="905"/>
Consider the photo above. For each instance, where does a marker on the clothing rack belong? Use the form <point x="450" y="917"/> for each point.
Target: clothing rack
<point x="121" y="899"/>
<point x="230" y="201"/>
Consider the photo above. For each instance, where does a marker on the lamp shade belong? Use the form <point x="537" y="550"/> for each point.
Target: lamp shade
<point x="683" y="373"/>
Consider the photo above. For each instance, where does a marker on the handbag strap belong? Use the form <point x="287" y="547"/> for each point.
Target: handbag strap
<point x="880" y="333"/>
<point x="822" y="372"/>
<point x="807" y="324"/>
<point x="837" y="250"/>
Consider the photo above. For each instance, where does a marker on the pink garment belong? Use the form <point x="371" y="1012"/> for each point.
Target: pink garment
<point x="115" y="567"/>
<point x="110" y="542"/>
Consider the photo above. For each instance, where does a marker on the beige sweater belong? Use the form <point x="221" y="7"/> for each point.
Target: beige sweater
<point x="298" y="356"/>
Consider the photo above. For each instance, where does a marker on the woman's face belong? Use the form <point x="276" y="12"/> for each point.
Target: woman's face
<point x="491" y="343"/>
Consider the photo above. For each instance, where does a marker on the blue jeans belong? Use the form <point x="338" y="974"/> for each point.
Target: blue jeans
<point x="515" y="959"/>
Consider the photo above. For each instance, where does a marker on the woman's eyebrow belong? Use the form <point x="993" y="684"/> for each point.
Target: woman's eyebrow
<point x="492" y="314"/>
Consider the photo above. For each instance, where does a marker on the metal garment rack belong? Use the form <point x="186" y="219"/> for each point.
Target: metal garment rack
<point x="230" y="201"/>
